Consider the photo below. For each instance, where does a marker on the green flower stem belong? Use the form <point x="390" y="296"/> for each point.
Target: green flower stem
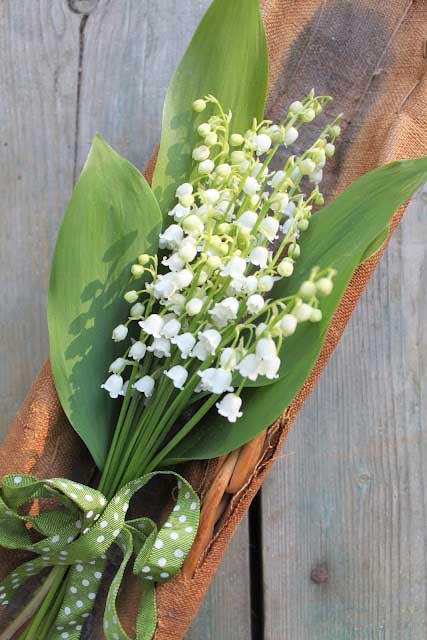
<point x="156" y="461"/>
<point x="56" y="584"/>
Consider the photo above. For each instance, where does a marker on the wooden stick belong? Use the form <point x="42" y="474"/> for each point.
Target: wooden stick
<point x="208" y="515"/>
<point x="246" y="463"/>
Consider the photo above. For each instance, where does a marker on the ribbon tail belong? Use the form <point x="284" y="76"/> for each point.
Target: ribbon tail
<point x="146" y="621"/>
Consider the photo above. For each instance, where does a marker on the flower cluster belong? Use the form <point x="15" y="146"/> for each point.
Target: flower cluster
<point x="206" y="308"/>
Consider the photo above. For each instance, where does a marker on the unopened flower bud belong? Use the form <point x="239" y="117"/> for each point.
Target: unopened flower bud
<point x="200" y="153"/>
<point x="294" y="250"/>
<point x="214" y="263"/>
<point x="211" y="139"/>
<point x="237" y="157"/>
<point x="324" y="286"/>
<point x="319" y="199"/>
<point x="296" y="107"/>
<point x="137" y="310"/>
<point x="206" y="167"/>
<point x="303" y="224"/>
<point x="307" y="290"/>
<point x="254" y="201"/>
<point x="290" y="136"/>
<point x="307" y="166"/>
<point x="143" y="259"/>
<point x="199" y="105"/>
<point x="236" y="140"/>
<point x="330" y="150"/>
<point x="120" y="333"/>
<point x="192" y="224"/>
<point x="303" y="311"/>
<point x="288" y="324"/>
<point x="308" y="115"/>
<point x="203" y="129"/>
<point x="137" y="270"/>
<point x="187" y="200"/>
<point x="336" y="130"/>
<point x="285" y="268"/>
<point x="131" y="297"/>
<point x="316" y="315"/>
<point x="223" y="170"/>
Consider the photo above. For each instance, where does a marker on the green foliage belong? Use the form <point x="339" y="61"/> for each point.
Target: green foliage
<point x="111" y="218"/>
<point x="227" y="57"/>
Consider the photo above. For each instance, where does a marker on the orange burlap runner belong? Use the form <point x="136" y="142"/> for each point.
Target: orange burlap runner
<point x="368" y="54"/>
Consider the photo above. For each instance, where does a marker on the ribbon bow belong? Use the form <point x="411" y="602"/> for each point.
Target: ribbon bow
<point x="78" y="532"/>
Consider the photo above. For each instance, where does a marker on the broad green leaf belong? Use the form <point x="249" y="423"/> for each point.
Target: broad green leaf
<point x="342" y="235"/>
<point x="111" y="218"/>
<point x="227" y="57"/>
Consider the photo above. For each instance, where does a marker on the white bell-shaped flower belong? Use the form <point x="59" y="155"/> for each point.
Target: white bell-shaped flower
<point x="207" y="344"/>
<point x="145" y="385"/>
<point x="179" y="212"/>
<point x="277" y="178"/>
<point x="229" y="407"/>
<point x="124" y="389"/>
<point x="255" y="303"/>
<point x="137" y="351"/>
<point x="160" y="348"/>
<point x="152" y="325"/>
<point x="171" y="237"/>
<point x="235" y="268"/>
<point x="250" y="285"/>
<point x="265" y="283"/>
<point x="185" y="343"/>
<point x="174" y="262"/>
<point x="259" y="256"/>
<point x="215" y="380"/>
<point x="188" y="249"/>
<point x="194" y="306"/>
<point x="171" y="328"/>
<point x="183" y="278"/>
<point x="269" y="228"/>
<point x="229" y="358"/>
<point x="211" y="196"/>
<point x="225" y="311"/>
<point x="251" y="186"/>
<point x="178" y="375"/>
<point x="175" y="303"/>
<point x="164" y="286"/>
<point x="185" y="189"/>
<point x="247" y="220"/>
<point x="267" y="358"/>
<point x="262" y="143"/>
<point x="248" y="367"/>
<point x="120" y="333"/>
<point x="113" y="385"/>
<point x="288" y="324"/>
<point x="118" y="365"/>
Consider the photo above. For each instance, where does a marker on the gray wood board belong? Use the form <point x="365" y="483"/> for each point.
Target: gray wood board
<point x="349" y="491"/>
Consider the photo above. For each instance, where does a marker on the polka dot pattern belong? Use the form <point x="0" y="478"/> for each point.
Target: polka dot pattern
<point x="80" y="531"/>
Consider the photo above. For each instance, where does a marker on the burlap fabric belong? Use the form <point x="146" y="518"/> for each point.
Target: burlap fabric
<point x="371" y="56"/>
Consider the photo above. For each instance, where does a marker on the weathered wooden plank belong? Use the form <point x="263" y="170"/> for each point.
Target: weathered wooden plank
<point x="349" y="491"/>
<point x="38" y="71"/>
<point x="225" y="612"/>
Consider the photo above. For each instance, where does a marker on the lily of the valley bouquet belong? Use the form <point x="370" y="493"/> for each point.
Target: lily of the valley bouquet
<point x="184" y="317"/>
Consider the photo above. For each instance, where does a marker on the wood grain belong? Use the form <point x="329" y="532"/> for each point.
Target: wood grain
<point x="348" y="494"/>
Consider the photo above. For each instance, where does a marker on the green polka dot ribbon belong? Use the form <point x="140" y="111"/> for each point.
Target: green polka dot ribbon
<point x="77" y="526"/>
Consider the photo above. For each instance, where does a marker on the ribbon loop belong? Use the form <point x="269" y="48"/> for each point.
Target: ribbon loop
<point x="78" y="530"/>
